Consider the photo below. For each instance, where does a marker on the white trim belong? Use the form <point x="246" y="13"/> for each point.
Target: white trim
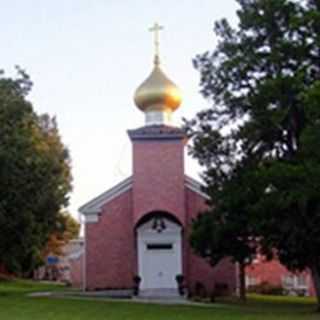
<point x="158" y="117"/>
<point x="84" y="259"/>
<point x="195" y="186"/>
<point x="94" y="206"/>
<point x="91" y="218"/>
<point x="291" y="281"/>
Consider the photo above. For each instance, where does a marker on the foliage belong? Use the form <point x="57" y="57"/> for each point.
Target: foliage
<point x="259" y="142"/>
<point x="266" y="288"/>
<point x="199" y="290"/>
<point x="34" y="173"/>
<point x="221" y="289"/>
<point x="67" y="228"/>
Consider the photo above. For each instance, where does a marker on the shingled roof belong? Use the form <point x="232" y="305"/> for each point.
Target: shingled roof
<point x="157" y="132"/>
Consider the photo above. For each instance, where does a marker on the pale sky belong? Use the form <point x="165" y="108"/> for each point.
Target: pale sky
<point x="87" y="57"/>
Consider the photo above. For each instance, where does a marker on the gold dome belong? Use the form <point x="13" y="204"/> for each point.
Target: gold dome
<point x="157" y="93"/>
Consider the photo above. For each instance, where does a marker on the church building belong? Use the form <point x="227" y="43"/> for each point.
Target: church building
<point x="141" y="226"/>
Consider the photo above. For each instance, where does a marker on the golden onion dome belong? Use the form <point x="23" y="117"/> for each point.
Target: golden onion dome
<point x="157" y="93"/>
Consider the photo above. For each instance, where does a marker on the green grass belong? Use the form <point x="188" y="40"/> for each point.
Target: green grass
<point x="15" y="305"/>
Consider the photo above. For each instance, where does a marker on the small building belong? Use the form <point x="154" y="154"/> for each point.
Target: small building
<point x="274" y="275"/>
<point x="141" y="226"/>
<point x="67" y="267"/>
<point x="71" y="263"/>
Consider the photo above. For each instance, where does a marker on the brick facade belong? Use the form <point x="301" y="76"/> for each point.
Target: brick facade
<point x="76" y="272"/>
<point x="110" y="251"/>
<point x="158" y="184"/>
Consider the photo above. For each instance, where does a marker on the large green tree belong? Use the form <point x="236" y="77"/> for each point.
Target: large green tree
<point x="262" y="129"/>
<point x="34" y="174"/>
<point x="225" y="230"/>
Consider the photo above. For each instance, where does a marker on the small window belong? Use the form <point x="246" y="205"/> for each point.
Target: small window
<point x="288" y="281"/>
<point x="251" y="281"/>
<point x="301" y="281"/>
<point x="159" y="246"/>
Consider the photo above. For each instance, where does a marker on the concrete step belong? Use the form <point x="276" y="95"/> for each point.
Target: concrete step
<point x="160" y="294"/>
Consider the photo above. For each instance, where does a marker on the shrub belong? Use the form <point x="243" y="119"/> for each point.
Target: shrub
<point x="221" y="289"/>
<point x="266" y="288"/>
<point x="200" y="290"/>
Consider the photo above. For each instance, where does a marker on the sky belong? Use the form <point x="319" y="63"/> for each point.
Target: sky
<point x="87" y="57"/>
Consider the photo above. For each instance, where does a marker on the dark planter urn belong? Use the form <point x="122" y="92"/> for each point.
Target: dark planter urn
<point x="136" y="287"/>
<point x="180" y="282"/>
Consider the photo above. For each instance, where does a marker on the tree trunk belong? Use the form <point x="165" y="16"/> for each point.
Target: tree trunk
<point x="315" y="271"/>
<point x="242" y="282"/>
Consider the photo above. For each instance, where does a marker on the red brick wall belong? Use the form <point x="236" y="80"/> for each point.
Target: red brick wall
<point x="76" y="272"/>
<point x="158" y="177"/>
<point x="272" y="272"/>
<point x="196" y="268"/>
<point x="110" y="246"/>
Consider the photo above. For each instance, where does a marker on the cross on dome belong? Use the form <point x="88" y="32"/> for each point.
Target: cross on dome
<point x="155" y="29"/>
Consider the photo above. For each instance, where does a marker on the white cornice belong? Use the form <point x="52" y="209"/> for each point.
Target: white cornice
<point x="94" y="206"/>
<point x="92" y="209"/>
<point x="195" y="186"/>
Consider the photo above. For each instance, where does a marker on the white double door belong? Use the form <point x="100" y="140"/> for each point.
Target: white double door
<point x="159" y="256"/>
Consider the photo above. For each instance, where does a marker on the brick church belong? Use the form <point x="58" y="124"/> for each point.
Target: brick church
<point x="141" y="226"/>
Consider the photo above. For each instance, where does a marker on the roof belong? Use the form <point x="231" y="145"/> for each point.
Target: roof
<point x="95" y="205"/>
<point x="157" y="132"/>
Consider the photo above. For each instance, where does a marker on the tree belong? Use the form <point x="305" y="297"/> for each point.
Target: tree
<point x="67" y="228"/>
<point x="34" y="173"/>
<point x="263" y="80"/>
<point x="225" y="229"/>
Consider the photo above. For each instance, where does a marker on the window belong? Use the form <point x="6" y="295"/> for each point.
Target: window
<point x="288" y="281"/>
<point x="301" y="281"/>
<point x="251" y="281"/>
<point x="159" y="246"/>
<point x="294" y="281"/>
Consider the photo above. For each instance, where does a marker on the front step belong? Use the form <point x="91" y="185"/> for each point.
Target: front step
<point x="160" y="294"/>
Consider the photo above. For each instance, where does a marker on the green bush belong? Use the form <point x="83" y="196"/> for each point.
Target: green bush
<point x="266" y="288"/>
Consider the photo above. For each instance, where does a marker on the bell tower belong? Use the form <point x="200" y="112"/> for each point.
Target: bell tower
<point x="158" y="147"/>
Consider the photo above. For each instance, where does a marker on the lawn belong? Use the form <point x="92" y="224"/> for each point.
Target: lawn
<point x="15" y="305"/>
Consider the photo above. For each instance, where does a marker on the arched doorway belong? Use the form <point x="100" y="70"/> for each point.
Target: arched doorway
<point x="159" y="247"/>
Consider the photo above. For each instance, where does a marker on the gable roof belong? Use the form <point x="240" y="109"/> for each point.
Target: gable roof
<point x="95" y="205"/>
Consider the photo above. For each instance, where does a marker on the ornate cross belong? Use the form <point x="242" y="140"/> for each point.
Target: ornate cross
<point x="155" y="29"/>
